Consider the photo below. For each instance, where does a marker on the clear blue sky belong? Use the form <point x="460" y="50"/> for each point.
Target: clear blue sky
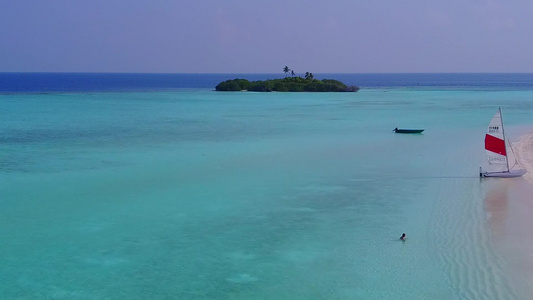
<point x="250" y="36"/>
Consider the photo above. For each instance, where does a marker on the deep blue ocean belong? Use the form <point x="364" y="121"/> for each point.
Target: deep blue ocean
<point x="155" y="186"/>
<point x="109" y="82"/>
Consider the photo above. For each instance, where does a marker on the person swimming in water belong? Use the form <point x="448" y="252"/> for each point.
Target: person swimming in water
<point x="403" y="237"/>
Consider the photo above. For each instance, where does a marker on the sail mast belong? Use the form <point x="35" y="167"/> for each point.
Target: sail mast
<point x="504" y="139"/>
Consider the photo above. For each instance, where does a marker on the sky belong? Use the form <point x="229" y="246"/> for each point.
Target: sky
<point x="250" y="36"/>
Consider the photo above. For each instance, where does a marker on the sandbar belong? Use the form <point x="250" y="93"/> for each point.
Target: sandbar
<point x="509" y="205"/>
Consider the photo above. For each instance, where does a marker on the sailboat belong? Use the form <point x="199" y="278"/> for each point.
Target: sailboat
<point x="498" y="152"/>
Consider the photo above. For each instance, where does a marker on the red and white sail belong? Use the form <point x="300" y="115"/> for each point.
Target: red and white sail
<point x="497" y="154"/>
<point x="495" y="144"/>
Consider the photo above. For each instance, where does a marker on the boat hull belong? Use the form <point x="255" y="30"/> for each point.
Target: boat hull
<point x="408" y="130"/>
<point x="510" y="174"/>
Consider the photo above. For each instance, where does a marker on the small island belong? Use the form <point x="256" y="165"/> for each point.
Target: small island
<point x="288" y="84"/>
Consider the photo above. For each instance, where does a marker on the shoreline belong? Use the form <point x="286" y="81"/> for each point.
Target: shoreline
<point x="509" y="209"/>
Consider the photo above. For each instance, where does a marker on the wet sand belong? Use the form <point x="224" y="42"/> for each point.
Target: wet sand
<point x="509" y="205"/>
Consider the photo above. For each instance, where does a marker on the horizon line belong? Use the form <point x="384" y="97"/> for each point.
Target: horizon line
<point x="222" y="73"/>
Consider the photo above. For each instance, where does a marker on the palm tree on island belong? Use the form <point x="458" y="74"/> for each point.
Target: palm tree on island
<point x="286" y="70"/>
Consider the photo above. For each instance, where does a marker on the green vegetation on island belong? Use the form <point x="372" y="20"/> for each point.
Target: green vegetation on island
<point x="287" y="84"/>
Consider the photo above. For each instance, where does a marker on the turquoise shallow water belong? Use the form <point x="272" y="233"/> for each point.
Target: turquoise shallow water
<point x="201" y="195"/>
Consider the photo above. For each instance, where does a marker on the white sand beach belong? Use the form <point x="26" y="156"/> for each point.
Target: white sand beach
<point x="524" y="152"/>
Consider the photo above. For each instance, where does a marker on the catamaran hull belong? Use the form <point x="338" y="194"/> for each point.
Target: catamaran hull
<point x="510" y="174"/>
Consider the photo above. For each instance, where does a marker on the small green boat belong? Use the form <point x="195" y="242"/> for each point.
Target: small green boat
<point x="407" y="130"/>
